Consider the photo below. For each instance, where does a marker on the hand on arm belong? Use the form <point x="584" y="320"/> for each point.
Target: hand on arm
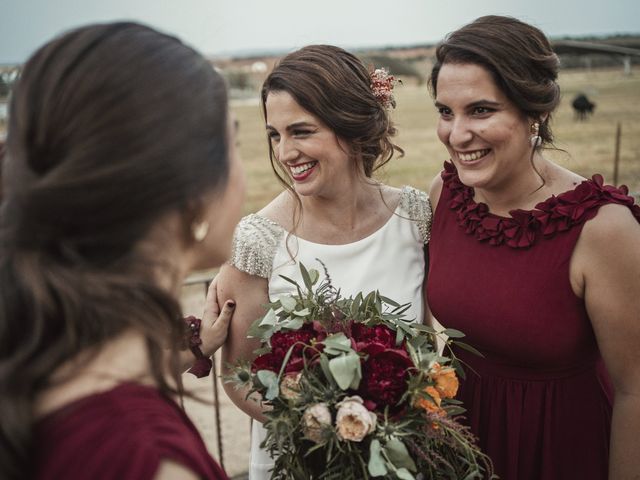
<point x="251" y="293"/>
<point x="214" y="326"/>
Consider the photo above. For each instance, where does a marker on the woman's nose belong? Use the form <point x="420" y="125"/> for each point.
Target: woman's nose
<point x="287" y="151"/>
<point x="460" y="133"/>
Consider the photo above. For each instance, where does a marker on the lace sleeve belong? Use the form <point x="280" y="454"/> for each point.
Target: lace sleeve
<point x="417" y="205"/>
<point x="254" y="245"/>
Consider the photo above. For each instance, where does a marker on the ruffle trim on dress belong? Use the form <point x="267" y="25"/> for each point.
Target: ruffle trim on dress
<point x="525" y="227"/>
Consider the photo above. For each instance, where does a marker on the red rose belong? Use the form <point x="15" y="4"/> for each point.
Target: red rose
<point x="281" y="342"/>
<point x="384" y="377"/>
<point x="373" y="340"/>
<point x="268" y="361"/>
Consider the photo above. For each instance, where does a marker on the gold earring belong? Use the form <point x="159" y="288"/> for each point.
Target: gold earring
<point x="200" y="230"/>
<point x="535" y="139"/>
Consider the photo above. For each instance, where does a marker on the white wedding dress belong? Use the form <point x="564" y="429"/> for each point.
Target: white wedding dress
<point x="390" y="260"/>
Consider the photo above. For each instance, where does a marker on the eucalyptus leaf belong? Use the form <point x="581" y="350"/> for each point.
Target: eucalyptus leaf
<point x="337" y="344"/>
<point x="270" y="318"/>
<point x="388" y="301"/>
<point x="288" y="303"/>
<point x="302" y="313"/>
<point x="305" y="277"/>
<point x="377" y="466"/>
<point x="261" y="332"/>
<point x="425" y="328"/>
<point x="324" y="364"/>
<point x="404" y="474"/>
<point x="355" y="305"/>
<point x="293" y="323"/>
<point x="399" y="337"/>
<point x="455" y="410"/>
<point x="368" y="299"/>
<point x="287" y="279"/>
<point x="453" y="333"/>
<point x="293" y="282"/>
<point x="459" y="369"/>
<point x="344" y="369"/>
<point x="413" y="353"/>
<point x="399" y="455"/>
<point x="355" y="383"/>
<point x="468" y="348"/>
<point x="314" y="275"/>
<point x="402" y="309"/>
<point x="269" y="380"/>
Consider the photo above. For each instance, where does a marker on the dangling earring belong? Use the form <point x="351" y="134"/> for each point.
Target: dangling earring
<point x="535" y="139"/>
<point x="199" y="230"/>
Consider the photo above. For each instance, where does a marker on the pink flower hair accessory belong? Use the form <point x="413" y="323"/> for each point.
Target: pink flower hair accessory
<point x="382" y="84"/>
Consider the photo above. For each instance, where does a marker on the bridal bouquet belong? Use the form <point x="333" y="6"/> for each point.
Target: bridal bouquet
<point x="354" y="390"/>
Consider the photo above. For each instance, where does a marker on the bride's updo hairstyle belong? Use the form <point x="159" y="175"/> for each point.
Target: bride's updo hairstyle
<point x="111" y="128"/>
<point x="519" y="58"/>
<point x="334" y="85"/>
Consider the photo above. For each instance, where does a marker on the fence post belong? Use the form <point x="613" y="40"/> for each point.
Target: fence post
<point x="216" y="396"/>
<point x="616" y="156"/>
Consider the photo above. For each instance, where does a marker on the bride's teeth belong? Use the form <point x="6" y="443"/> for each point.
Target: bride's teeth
<point x="298" y="169"/>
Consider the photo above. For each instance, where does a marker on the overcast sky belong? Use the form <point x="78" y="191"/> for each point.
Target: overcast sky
<point x="220" y="26"/>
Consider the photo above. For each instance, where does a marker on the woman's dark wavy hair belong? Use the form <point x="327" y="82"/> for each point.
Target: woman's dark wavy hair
<point x="518" y="56"/>
<point x="335" y="86"/>
<point x="111" y="127"/>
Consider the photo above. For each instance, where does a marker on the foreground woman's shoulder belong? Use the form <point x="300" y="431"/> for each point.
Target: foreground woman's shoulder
<point x="125" y="432"/>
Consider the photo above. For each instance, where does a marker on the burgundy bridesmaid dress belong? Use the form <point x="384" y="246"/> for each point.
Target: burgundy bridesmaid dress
<point x="540" y="400"/>
<point x="124" y="433"/>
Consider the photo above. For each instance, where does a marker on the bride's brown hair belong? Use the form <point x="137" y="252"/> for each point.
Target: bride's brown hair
<point x="335" y="86"/>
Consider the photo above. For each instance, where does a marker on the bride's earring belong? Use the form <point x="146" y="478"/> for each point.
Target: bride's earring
<point x="199" y="230"/>
<point x="535" y="139"/>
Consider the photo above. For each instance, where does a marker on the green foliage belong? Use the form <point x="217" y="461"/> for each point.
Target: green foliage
<point x="406" y="441"/>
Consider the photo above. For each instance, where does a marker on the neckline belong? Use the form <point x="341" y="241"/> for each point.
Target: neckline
<point x="539" y="207"/>
<point x="558" y="213"/>
<point x="403" y="192"/>
<point x="369" y="237"/>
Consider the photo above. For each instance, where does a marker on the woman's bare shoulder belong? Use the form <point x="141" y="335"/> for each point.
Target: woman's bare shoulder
<point x="280" y="210"/>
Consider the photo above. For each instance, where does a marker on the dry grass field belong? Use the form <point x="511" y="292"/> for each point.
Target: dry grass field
<point x="589" y="148"/>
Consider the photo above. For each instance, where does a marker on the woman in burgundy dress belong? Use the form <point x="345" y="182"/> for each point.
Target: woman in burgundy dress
<point x="120" y="177"/>
<point x="537" y="265"/>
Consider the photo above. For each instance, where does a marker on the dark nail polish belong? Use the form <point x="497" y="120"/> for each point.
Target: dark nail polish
<point x="231" y="304"/>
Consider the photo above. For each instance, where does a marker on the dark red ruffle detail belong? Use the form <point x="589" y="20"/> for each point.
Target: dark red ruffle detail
<point x="524" y="227"/>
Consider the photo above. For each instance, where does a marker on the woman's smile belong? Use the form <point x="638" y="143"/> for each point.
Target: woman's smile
<point x="301" y="171"/>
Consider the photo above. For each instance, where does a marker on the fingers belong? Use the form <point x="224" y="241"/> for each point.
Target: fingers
<point x="225" y="315"/>
<point x="217" y="334"/>
<point x="211" y="307"/>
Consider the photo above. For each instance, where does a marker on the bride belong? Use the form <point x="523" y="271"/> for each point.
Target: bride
<point x="329" y="128"/>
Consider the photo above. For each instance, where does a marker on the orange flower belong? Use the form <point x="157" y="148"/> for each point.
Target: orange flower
<point x="446" y="380"/>
<point x="429" y="405"/>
